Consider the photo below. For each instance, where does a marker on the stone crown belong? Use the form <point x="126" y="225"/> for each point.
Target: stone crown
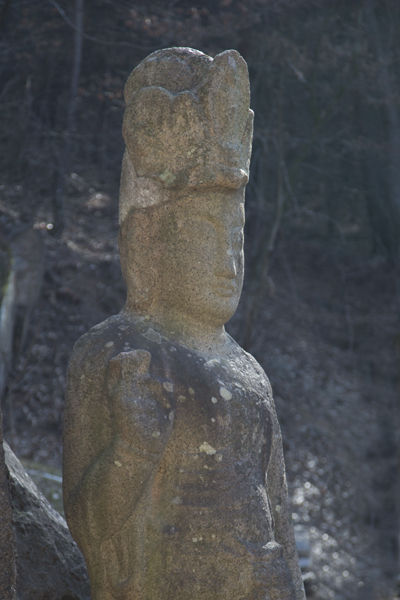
<point x="187" y="121"/>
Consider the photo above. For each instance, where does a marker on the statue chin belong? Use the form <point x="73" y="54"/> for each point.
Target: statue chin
<point x="224" y="308"/>
<point x="206" y="316"/>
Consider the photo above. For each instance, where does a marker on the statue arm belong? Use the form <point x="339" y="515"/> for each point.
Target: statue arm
<point x="110" y="455"/>
<point x="278" y="497"/>
<point x="106" y="495"/>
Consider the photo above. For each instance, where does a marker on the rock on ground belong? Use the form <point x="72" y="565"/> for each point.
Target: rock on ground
<point x="49" y="563"/>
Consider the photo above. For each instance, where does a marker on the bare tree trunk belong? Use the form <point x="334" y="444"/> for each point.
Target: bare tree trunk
<point x="4" y="12"/>
<point x="65" y="155"/>
<point x="76" y="69"/>
<point x="262" y="263"/>
<point x="393" y="118"/>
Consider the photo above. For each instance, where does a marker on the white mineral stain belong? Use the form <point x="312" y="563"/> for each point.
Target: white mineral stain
<point x="109" y="344"/>
<point x="212" y="362"/>
<point x="214" y="400"/>
<point x="167" y="177"/>
<point x="207" y="448"/>
<point x="168" y="386"/>
<point x="232" y="62"/>
<point x="226" y="394"/>
<point x="152" y="335"/>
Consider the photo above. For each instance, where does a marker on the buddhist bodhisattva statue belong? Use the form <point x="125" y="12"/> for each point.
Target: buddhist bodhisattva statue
<point x="174" y="480"/>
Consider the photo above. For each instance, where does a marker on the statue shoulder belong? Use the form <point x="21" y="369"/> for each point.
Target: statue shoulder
<point x="93" y="350"/>
<point x="115" y="345"/>
<point x="93" y="345"/>
<point x="252" y="368"/>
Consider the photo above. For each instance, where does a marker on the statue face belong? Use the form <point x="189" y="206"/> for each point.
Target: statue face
<point x="202" y="260"/>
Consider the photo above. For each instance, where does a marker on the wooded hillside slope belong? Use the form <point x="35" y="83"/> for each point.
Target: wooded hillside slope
<point x="321" y="298"/>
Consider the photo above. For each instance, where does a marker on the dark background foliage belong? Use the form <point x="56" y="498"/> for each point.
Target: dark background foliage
<point x="321" y="298"/>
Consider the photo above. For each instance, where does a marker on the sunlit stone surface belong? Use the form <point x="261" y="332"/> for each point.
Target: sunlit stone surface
<point x="174" y="483"/>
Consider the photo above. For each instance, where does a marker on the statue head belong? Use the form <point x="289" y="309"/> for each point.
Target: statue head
<point x="187" y="129"/>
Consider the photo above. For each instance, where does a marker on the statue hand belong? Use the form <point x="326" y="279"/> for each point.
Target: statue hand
<point x="139" y="411"/>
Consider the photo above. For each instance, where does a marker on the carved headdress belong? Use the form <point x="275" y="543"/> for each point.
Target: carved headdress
<point x="187" y="123"/>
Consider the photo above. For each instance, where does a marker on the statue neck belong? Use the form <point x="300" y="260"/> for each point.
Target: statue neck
<point x="204" y="337"/>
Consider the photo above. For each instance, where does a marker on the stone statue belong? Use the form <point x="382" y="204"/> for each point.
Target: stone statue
<point x="174" y="481"/>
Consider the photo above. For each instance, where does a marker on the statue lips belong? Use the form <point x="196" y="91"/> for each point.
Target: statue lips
<point x="226" y="288"/>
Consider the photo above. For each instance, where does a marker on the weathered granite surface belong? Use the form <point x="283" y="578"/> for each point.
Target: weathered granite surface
<point x="174" y="481"/>
<point x="7" y="539"/>
<point x="49" y="564"/>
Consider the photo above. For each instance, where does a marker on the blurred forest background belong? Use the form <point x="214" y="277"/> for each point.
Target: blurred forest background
<point x="320" y="307"/>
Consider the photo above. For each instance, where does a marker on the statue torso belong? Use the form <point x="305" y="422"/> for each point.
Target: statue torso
<point x="208" y="427"/>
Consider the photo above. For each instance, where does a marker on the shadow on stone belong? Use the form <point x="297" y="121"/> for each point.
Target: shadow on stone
<point x="49" y="564"/>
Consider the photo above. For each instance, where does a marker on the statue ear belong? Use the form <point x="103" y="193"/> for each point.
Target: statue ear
<point x="138" y="245"/>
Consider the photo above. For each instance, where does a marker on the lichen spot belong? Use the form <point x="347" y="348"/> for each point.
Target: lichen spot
<point x="218" y="457"/>
<point x="207" y="448"/>
<point x="117" y="463"/>
<point x="156" y="434"/>
<point x="191" y="391"/>
<point x="181" y="398"/>
<point x="226" y="394"/>
<point x="152" y="335"/>
<point x="167" y="177"/>
<point x="110" y="344"/>
<point x="168" y="386"/>
<point x="214" y="400"/>
<point x="212" y="362"/>
<point x="212" y="420"/>
<point x="176" y="500"/>
<point x="278" y="508"/>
